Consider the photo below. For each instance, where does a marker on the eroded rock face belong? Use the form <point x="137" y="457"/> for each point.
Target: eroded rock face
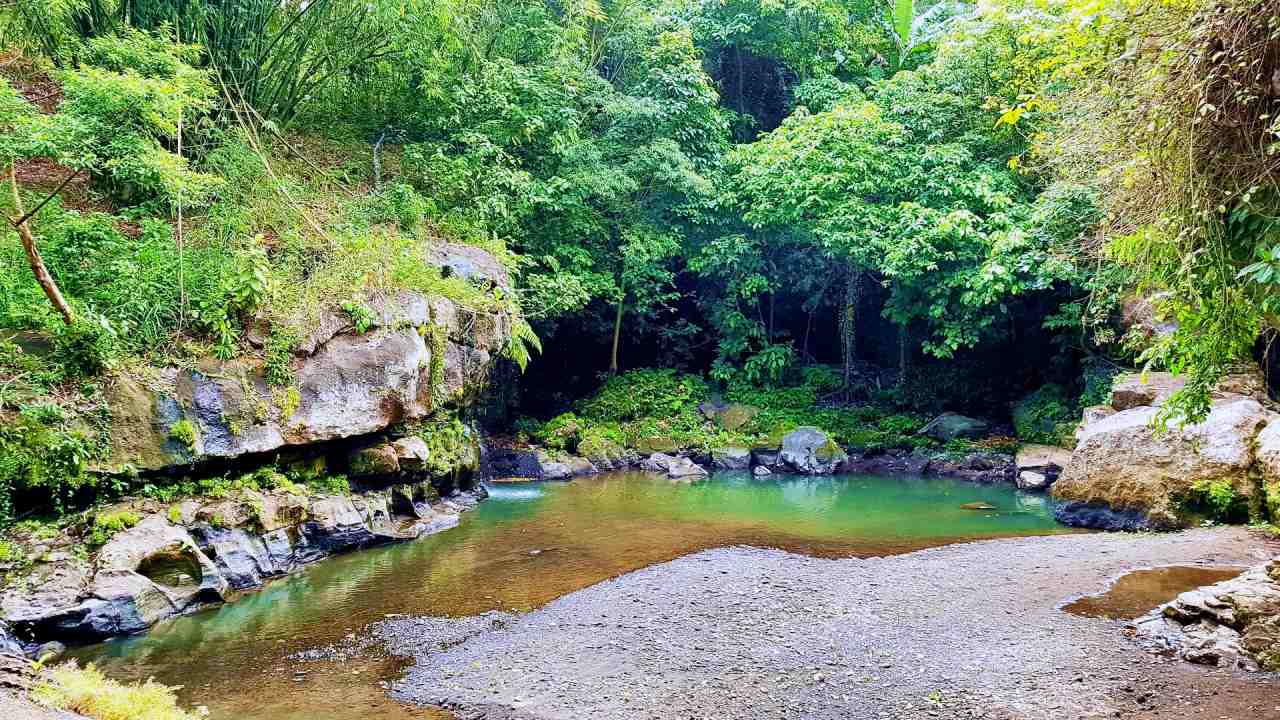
<point x="419" y="354"/>
<point x="158" y="568"/>
<point x="1235" y="623"/>
<point x="1125" y="463"/>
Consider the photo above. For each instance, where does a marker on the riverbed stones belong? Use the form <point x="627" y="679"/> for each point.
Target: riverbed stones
<point x="1234" y="623"/>
<point x="810" y="451"/>
<point x="949" y="426"/>
<point x="1124" y="462"/>
<point x="731" y="458"/>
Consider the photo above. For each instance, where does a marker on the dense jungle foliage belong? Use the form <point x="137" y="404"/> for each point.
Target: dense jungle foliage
<point x="946" y="205"/>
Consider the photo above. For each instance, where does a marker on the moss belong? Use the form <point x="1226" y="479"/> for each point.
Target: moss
<point x="175" y="515"/>
<point x="107" y="524"/>
<point x="1271" y="494"/>
<point x="828" y="450"/>
<point x="1214" y="500"/>
<point x="88" y="692"/>
<point x="184" y="432"/>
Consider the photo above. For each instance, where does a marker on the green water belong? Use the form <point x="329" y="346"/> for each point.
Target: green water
<point x="525" y="546"/>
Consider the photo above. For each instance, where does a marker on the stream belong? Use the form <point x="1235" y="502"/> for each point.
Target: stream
<point x="527" y="545"/>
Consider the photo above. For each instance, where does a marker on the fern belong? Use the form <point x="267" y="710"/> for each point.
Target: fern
<point x="522" y="344"/>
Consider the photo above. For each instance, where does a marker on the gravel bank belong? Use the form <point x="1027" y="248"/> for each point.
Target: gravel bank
<point x="964" y="631"/>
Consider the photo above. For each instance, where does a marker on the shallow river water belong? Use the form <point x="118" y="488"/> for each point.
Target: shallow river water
<point x="527" y="545"/>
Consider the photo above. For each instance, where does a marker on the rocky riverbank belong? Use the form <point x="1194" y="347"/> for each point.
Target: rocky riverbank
<point x="961" y="631"/>
<point x="179" y="558"/>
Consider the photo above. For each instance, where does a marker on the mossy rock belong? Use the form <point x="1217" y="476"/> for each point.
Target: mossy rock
<point x="657" y="444"/>
<point x="1271" y="495"/>
<point x="600" y="450"/>
<point x="736" y="415"/>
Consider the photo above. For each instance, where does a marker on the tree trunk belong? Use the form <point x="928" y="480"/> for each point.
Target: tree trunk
<point x="47" y="283"/>
<point x="849" y="323"/>
<point x="617" y="336"/>
<point x="903" y="353"/>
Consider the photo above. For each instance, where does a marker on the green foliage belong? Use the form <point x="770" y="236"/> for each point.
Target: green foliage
<point x="361" y="316"/>
<point x="107" y="524"/>
<point x="184" y="432"/>
<point x="1216" y="500"/>
<point x="86" y="347"/>
<point x="88" y="692"/>
<point x="1042" y="416"/>
<point x="644" y="393"/>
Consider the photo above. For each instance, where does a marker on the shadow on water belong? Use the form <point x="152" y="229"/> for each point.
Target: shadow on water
<point x="527" y="545"/>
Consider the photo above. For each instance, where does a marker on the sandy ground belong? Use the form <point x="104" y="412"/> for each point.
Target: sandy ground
<point x="963" y="631"/>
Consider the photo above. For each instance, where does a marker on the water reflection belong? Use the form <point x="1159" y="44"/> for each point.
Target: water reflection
<point x="525" y="546"/>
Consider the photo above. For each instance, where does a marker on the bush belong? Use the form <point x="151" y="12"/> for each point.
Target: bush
<point x="1046" y="416"/>
<point x="88" y="692"/>
<point x="560" y="432"/>
<point x="645" y="393"/>
<point x="86" y="347"/>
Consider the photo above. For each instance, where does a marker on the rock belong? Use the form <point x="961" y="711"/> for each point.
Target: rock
<point x="1124" y="462"/>
<point x="565" y="467"/>
<point x="731" y="458"/>
<point x="737" y="415"/>
<point x="808" y="450"/>
<point x="761" y="471"/>
<point x="1132" y="390"/>
<point x="1100" y="517"/>
<point x="766" y="457"/>
<point x="412" y="453"/>
<point x="1039" y="457"/>
<point x="376" y="460"/>
<point x="657" y="462"/>
<point x="347" y="384"/>
<point x="657" y="444"/>
<point x="685" y="469"/>
<point x="977" y="506"/>
<point x="1267" y="448"/>
<point x="1032" y="481"/>
<point x="949" y="426"/>
<point x="49" y="652"/>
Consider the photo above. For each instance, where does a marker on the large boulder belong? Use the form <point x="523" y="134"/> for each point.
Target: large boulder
<point x="1126" y="463"/>
<point x="1267" y="448"/>
<point x="950" y="426"/>
<point x="810" y="451"/>
<point x="564" y="467"/>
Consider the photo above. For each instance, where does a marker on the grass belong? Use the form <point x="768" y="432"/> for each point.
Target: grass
<point x="88" y="692"/>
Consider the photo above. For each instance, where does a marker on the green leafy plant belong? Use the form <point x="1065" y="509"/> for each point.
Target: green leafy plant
<point x="107" y="524"/>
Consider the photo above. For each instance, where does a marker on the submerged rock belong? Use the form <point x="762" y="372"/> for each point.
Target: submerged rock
<point x="810" y="451"/>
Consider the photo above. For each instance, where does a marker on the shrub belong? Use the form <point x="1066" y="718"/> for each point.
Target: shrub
<point x="645" y="393"/>
<point x="560" y="432"/>
<point x="1045" y="416"/>
<point x="1216" y="500"/>
<point x="88" y="692"/>
<point x="86" y="347"/>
